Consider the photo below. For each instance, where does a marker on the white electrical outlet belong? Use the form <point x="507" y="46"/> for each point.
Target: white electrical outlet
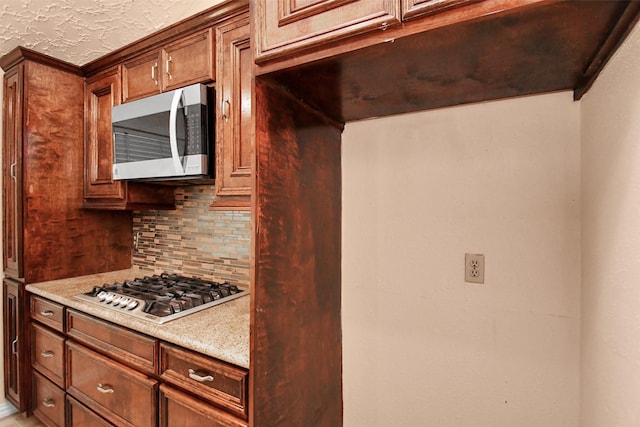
<point x="474" y="268"/>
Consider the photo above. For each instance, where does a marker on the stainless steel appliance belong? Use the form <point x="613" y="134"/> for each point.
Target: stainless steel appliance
<point x="165" y="136"/>
<point x="162" y="298"/>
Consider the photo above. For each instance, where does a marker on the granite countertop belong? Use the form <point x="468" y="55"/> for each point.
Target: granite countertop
<point x="221" y="331"/>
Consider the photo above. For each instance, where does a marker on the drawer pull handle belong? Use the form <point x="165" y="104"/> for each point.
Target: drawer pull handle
<point x="49" y="403"/>
<point x="105" y="388"/>
<point x="46" y="353"/>
<point x="14" y="346"/>
<point x="46" y="313"/>
<point x="200" y="379"/>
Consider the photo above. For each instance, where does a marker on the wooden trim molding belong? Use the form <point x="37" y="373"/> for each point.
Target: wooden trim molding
<point x="20" y="54"/>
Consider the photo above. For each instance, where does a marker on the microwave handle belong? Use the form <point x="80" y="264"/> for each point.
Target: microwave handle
<point x="173" y="138"/>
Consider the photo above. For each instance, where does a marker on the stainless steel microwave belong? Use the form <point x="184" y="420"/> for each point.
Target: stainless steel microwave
<point x="163" y="137"/>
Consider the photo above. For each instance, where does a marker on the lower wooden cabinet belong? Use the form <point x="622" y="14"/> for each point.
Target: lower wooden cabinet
<point x="88" y="372"/>
<point x="79" y="415"/>
<point x="180" y="409"/>
<point x="17" y="381"/>
<point x="47" y="354"/>
<point x="48" y="401"/>
<point x="117" y="393"/>
<point x="218" y="382"/>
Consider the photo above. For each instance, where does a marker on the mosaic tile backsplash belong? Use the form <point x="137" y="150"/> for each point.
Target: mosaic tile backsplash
<point x="194" y="241"/>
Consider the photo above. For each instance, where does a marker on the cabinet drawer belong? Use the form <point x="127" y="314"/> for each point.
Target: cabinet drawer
<point x="81" y="416"/>
<point x="179" y="409"/>
<point x="47" y="353"/>
<point x="48" y="313"/>
<point x="48" y="401"/>
<point x="219" y="382"/>
<point x="114" y="391"/>
<point x="132" y="348"/>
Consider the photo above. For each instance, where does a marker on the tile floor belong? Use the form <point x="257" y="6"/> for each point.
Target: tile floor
<point x="19" y="420"/>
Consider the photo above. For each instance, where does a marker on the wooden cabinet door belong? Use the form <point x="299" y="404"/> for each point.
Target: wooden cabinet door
<point x="234" y="89"/>
<point x="188" y="60"/>
<point x="17" y="372"/>
<point x="12" y="173"/>
<point x="141" y="76"/>
<point x="48" y="402"/>
<point x="79" y="415"/>
<point x="101" y="93"/>
<point x="180" y="409"/>
<point x="413" y="8"/>
<point x="287" y="26"/>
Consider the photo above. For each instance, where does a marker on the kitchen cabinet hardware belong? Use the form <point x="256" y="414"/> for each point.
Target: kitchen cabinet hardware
<point x="14" y="346"/>
<point x="46" y="313"/>
<point x="201" y="379"/>
<point x="168" y="68"/>
<point x="154" y="71"/>
<point x="49" y="403"/>
<point x="13" y="170"/>
<point x="226" y="106"/>
<point x="105" y="388"/>
<point x="47" y="353"/>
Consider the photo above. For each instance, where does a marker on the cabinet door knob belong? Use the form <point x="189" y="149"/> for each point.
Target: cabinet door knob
<point x="201" y="379"/>
<point x="12" y="170"/>
<point x="46" y="313"/>
<point x="49" y="403"/>
<point x="14" y="346"/>
<point x="105" y="388"/>
<point x="46" y="353"/>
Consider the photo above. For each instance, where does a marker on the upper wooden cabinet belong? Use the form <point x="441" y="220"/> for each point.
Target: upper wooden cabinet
<point x="12" y="173"/>
<point x="414" y="8"/>
<point x="182" y="62"/>
<point x="101" y="191"/>
<point x="288" y="26"/>
<point x="234" y="124"/>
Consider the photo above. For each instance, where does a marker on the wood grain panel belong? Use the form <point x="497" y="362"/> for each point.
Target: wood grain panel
<point x="48" y="402"/>
<point x="141" y="76"/>
<point x="132" y="348"/>
<point x="415" y="8"/>
<point x="296" y="341"/>
<point x="286" y="27"/>
<point x="47" y="353"/>
<point x="189" y="60"/>
<point x="12" y="173"/>
<point x="47" y="312"/>
<point x="81" y="416"/>
<point x="234" y="123"/>
<point x="119" y="394"/>
<point x="180" y="409"/>
<point x="226" y="385"/>
<point x="517" y="52"/>
<point x="17" y="366"/>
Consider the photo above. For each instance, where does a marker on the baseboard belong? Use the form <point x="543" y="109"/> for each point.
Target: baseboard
<point x="7" y="409"/>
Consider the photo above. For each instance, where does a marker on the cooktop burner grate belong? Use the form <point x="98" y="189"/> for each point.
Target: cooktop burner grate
<point x="161" y="298"/>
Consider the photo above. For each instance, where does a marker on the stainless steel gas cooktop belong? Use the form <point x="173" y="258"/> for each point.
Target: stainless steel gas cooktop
<point x="162" y="298"/>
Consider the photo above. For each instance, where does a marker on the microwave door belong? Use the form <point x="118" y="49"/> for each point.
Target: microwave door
<point x="174" y="118"/>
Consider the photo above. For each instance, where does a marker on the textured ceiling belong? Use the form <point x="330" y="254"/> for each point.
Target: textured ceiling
<point x="79" y="31"/>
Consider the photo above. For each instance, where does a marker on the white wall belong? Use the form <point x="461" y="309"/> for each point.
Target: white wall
<point x="421" y="346"/>
<point x="611" y="243"/>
